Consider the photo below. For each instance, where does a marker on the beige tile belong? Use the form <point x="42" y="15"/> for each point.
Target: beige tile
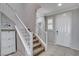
<point x="56" y="50"/>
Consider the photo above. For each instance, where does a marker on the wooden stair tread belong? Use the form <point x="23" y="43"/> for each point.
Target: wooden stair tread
<point x="36" y="44"/>
<point x="38" y="51"/>
<point x="34" y="37"/>
<point x="35" y="41"/>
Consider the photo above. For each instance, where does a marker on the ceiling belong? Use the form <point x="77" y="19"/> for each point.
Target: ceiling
<point x="50" y="8"/>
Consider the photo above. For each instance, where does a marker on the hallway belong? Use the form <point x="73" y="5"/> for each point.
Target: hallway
<point x="56" y="50"/>
<point x="59" y="26"/>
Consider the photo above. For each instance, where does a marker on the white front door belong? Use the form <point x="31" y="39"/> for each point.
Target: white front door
<point x="63" y="29"/>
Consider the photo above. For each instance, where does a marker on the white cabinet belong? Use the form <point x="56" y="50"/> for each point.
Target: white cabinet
<point x="8" y="42"/>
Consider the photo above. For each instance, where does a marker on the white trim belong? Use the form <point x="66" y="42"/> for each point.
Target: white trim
<point x="74" y="48"/>
<point x="31" y="43"/>
<point x="67" y="47"/>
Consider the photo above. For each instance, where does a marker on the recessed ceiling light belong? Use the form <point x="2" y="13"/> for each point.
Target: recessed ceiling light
<point x="59" y="4"/>
<point x="64" y="14"/>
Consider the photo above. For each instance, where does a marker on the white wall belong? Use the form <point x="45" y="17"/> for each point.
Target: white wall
<point x="5" y="21"/>
<point x="27" y="13"/>
<point x="75" y="29"/>
<point x="0" y="34"/>
<point x="40" y="28"/>
<point x="20" y="47"/>
<point x="42" y="21"/>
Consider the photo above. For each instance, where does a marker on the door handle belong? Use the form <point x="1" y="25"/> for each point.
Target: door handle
<point x="57" y="31"/>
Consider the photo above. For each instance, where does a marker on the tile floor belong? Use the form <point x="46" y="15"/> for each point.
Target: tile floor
<point x="16" y="54"/>
<point x="56" y="50"/>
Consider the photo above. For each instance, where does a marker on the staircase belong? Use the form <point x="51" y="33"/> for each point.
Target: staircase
<point x="38" y="48"/>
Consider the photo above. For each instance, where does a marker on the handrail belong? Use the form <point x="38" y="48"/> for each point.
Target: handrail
<point x="45" y="44"/>
<point x="18" y="17"/>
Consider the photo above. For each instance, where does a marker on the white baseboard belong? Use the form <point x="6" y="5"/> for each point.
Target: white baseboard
<point x="66" y="46"/>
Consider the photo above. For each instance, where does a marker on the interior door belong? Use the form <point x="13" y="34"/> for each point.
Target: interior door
<point x="63" y="29"/>
<point x="50" y="30"/>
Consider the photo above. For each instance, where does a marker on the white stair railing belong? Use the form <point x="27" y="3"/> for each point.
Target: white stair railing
<point x="25" y="35"/>
<point x="42" y="35"/>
